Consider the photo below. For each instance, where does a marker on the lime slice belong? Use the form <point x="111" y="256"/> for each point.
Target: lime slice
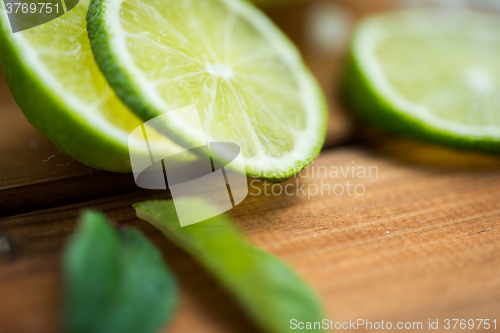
<point x="432" y="74"/>
<point x="52" y="74"/>
<point x="246" y="79"/>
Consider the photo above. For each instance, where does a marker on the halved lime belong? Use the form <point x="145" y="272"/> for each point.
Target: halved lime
<point x="246" y="79"/>
<point x="52" y="74"/>
<point x="432" y="74"/>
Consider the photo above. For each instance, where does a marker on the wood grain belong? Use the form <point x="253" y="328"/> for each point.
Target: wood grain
<point x="421" y="243"/>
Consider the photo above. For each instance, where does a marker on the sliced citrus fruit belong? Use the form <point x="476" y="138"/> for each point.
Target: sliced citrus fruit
<point x="433" y="74"/>
<point x="52" y="74"/>
<point x="246" y="79"/>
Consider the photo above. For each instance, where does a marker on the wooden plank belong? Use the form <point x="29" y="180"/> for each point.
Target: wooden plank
<point x="421" y="243"/>
<point x="441" y="209"/>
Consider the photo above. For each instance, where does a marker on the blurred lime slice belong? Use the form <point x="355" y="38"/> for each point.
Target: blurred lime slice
<point x="52" y="74"/>
<point x="432" y="74"/>
<point x="246" y="79"/>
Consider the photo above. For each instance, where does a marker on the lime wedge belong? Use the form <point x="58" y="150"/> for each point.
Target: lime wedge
<point x="246" y="79"/>
<point x="431" y="74"/>
<point x="52" y="74"/>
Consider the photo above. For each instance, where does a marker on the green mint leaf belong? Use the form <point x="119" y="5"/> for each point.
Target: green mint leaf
<point x="116" y="281"/>
<point x="266" y="287"/>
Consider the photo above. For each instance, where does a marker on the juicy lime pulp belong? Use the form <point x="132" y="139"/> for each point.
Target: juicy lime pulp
<point x="52" y="74"/>
<point x="246" y="79"/>
<point x="433" y="74"/>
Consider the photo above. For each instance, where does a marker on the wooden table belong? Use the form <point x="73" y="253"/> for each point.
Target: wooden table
<point x="421" y="242"/>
